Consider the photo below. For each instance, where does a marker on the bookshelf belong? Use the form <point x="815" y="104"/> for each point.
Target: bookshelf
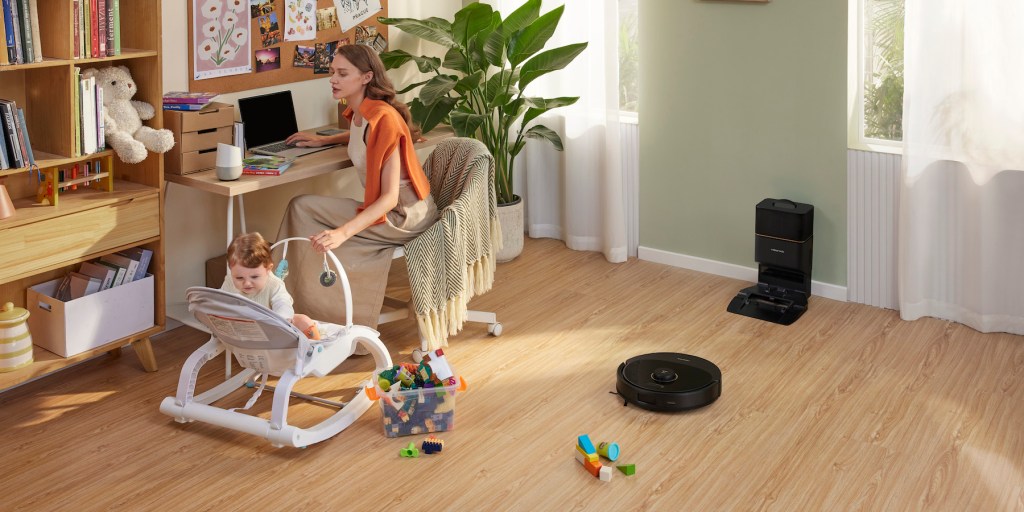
<point x="43" y="242"/>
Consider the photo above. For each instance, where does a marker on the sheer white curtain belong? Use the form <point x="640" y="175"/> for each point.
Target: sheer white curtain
<point x="577" y="195"/>
<point x="961" y="254"/>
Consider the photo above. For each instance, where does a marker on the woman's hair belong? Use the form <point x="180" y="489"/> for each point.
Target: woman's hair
<point x="251" y="251"/>
<point x="379" y="88"/>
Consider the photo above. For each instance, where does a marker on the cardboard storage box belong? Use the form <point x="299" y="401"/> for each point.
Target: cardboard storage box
<point x="73" y="327"/>
<point x="196" y="134"/>
<point x="216" y="271"/>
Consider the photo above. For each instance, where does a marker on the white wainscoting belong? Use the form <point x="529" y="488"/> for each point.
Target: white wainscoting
<point x="872" y="200"/>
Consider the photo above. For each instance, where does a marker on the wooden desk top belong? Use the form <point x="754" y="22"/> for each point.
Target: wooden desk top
<point x="308" y="166"/>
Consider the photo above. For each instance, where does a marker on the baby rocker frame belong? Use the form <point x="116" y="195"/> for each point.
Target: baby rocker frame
<point x="265" y="343"/>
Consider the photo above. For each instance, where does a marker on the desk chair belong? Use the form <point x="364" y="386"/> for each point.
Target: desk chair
<point x="453" y="260"/>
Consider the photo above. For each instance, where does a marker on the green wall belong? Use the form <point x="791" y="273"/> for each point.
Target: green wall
<point x="740" y="102"/>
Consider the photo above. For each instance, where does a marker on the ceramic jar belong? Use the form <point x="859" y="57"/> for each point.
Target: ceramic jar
<point x="15" y="340"/>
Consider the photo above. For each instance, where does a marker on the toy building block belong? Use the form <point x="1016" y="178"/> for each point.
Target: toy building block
<point x="608" y="450"/>
<point x="593" y="467"/>
<point x="586" y="456"/>
<point x="628" y="469"/>
<point x="439" y="364"/>
<point x="432" y="445"/>
<point x="582" y="459"/>
<point x="410" y="451"/>
<point x="605" y="473"/>
<point x="585" y="443"/>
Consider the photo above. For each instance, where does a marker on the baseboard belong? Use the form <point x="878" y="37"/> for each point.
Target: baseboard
<point x="718" y="268"/>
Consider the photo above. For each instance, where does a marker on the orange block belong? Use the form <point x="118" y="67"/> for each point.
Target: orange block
<point x="593" y="467"/>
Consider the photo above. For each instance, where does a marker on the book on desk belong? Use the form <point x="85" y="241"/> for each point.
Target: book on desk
<point x="265" y="165"/>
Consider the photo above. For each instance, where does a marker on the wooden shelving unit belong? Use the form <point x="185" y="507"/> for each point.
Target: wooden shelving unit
<point x="42" y="242"/>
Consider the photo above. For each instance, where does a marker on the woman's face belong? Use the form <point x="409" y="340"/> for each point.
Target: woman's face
<point x="346" y="79"/>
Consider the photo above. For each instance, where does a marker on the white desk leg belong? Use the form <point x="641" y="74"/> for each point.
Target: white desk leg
<point x="241" y="214"/>
<point x="231" y="237"/>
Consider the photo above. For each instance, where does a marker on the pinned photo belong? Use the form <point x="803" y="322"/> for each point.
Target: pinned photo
<point x="268" y="59"/>
<point x="270" y="30"/>
<point x="322" y="57"/>
<point x="259" y="8"/>
<point x="303" y="57"/>
<point x="326" y="18"/>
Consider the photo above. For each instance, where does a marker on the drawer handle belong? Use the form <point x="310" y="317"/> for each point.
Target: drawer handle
<point x="201" y="151"/>
<point x="208" y="130"/>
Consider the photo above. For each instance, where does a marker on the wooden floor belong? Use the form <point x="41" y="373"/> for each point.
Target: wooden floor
<point x="850" y="408"/>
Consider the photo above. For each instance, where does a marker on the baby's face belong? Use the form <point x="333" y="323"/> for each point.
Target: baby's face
<point x="249" y="281"/>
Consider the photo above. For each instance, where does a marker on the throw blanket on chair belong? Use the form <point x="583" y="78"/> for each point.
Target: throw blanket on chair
<point x="453" y="260"/>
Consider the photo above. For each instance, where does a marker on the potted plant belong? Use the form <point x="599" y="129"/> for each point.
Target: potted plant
<point x="479" y="87"/>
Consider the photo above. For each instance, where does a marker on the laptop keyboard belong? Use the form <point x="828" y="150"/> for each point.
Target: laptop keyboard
<point x="276" y="147"/>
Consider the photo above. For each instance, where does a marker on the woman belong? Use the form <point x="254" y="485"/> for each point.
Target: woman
<point x="396" y="207"/>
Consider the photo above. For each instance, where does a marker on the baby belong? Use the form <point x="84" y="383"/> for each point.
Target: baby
<point x="250" y="274"/>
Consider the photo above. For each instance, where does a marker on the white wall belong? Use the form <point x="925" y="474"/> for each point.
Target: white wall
<point x="195" y="222"/>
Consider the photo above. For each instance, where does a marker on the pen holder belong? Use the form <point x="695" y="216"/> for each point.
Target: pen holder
<point x="229" y="162"/>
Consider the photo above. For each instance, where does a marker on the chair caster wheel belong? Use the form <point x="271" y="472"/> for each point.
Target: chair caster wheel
<point x="417" y="355"/>
<point x="494" y="329"/>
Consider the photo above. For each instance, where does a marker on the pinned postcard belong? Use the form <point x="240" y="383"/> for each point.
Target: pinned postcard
<point x="300" y="20"/>
<point x="351" y="12"/>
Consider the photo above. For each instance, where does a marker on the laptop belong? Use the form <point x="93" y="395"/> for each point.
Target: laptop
<point x="268" y="120"/>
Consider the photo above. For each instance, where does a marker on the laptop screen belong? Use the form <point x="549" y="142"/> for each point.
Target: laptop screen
<point x="268" y="118"/>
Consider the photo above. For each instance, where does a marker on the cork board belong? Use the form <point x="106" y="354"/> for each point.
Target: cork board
<point x="267" y="38"/>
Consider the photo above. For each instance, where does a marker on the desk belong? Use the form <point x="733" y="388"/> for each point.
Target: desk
<point x="305" y="167"/>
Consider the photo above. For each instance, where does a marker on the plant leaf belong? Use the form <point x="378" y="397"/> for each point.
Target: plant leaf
<point x="411" y="87"/>
<point x="469" y="21"/>
<point x="531" y="39"/>
<point x="396" y="58"/>
<point x="437" y="88"/>
<point x="435" y="30"/>
<point x="540" y="131"/>
<point x="427" y="117"/>
<point x="494" y="44"/>
<point x="455" y="59"/>
<point x="466" y="125"/>
<point x="469" y="83"/>
<point x="539" y="106"/>
<point x="499" y="88"/>
<point x="548" y="61"/>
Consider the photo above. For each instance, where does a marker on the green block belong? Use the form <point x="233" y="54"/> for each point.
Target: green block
<point x="629" y="469"/>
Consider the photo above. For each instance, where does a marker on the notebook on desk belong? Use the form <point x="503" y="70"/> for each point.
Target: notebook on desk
<point x="269" y="119"/>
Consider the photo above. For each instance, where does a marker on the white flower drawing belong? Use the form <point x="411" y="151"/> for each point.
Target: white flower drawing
<point x="210" y="28"/>
<point x="219" y="32"/>
<point x="237" y="5"/>
<point x="230" y="18"/>
<point x="239" y="36"/>
<point x="211" y="9"/>
<point x="228" y="52"/>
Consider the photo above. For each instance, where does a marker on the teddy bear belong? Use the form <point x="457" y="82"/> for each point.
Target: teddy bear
<point x="122" y="116"/>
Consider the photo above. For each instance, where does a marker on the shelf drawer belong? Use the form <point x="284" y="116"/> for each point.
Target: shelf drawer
<point x="55" y="242"/>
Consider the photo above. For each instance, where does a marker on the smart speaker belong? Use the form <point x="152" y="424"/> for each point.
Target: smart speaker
<point x="229" y="162"/>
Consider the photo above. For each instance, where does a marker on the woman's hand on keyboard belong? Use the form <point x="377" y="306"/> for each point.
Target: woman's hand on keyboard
<point x="306" y="140"/>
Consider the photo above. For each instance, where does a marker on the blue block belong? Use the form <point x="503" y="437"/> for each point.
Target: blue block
<point x="585" y="443"/>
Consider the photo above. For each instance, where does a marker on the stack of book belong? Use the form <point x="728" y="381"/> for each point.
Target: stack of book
<point x="265" y="165"/>
<point x="19" y="32"/>
<point x="88" y="111"/>
<point x="187" y="100"/>
<point x="107" y="272"/>
<point x="15" y="148"/>
<point x="97" y="28"/>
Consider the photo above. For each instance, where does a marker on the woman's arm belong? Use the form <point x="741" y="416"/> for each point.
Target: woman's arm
<point x="312" y="140"/>
<point x="390" y="177"/>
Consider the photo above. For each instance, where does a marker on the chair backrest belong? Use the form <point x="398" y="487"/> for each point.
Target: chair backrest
<point x="448" y="167"/>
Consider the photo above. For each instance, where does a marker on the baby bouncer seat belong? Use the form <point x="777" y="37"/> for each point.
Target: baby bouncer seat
<point x="266" y="344"/>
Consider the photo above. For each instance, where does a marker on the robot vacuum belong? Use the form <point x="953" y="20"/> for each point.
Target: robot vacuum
<point x="666" y="381"/>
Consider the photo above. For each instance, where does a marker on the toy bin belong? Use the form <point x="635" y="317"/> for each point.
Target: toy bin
<point x="416" y="411"/>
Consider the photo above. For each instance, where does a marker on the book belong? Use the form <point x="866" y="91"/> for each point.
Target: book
<point x="176" y="97"/>
<point x="123" y="261"/>
<point x="63" y="291"/>
<point x="37" y="54"/>
<point x="238" y="135"/>
<point x="12" y="30"/>
<point x="88" y="95"/>
<point x="4" y="57"/>
<point x="4" y="162"/>
<point x="94" y="34"/>
<point x="82" y="285"/>
<point x="101" y="27"/>
<point x="26" y="146"/>
<point x="266" y="165"/>
<point x="25" y="20"/>
<point x="185" y="106"/>
<point x="76" y="15"/>
<point x="101" y="141"/>
<point x="76" y="149"/>
<point x="102" y="272"/>
<point x="117" y="26"/>
<point x="119" y="272"/>
<point x="141" y="255"/>
<point x="110" y="28"/>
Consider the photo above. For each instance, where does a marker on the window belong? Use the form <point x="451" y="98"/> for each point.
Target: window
<point x="629" y="57"/>
<point x="877" y="74"/>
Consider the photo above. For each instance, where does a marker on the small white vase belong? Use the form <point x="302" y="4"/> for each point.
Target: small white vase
<point x="510" y="216"/>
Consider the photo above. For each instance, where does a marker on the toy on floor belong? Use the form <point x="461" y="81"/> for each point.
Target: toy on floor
<point x="432" y="445"/>
<point x="265" y="344"/>
<point x="587" y="455"/>
<point x="417" y="398"/>
<point x="409" y="451"/>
